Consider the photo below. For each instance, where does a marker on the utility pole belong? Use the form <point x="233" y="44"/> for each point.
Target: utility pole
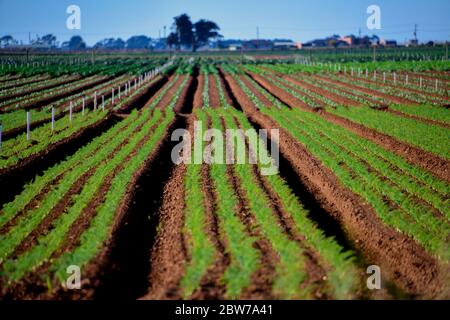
<point x="415" y="34"/>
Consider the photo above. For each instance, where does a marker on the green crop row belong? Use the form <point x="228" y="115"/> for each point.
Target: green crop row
<point x="291" y="269"/>
<point x="367" y="184"/>
<point x="428" y="137"/>
<point x="119" y="132"/>
<point x="93" y="239"/>
<point x="339" y="263"/>
<point x="201" y="250"/>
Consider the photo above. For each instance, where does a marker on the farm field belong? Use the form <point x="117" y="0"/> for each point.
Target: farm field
<point x="88" y="177"/>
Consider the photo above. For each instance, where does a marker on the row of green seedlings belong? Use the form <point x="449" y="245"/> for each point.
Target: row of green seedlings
<point x="245" y="259"/>
<point x="395" y="162"/>
<point x="32" y="190"/>
<point x="429" y="137"/>
<point x="33" y="97"/>
<point x="12" y="120"/>
<point x="425" y="136"/>
<point x="404" y="209"/>
<point x="19" y="148"/>
<point x="418" y="82"/>
<point x="405" y="185"/>
<point x="12" y="92"/>
<point x="414" y="96"/>
<point x="118" y="153"/>
<point x="422" y="111"/>
<point x="392" y="161"/>
<point x="206" y="70"/>
<point x="127" y="87"/>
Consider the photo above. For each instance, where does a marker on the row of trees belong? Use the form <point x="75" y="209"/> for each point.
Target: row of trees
<point x="185" y="34"/>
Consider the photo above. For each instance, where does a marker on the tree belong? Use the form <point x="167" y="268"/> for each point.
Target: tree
<point x="183" y="30"/>
<point x="138" y="42"/>
<point x="205" y="30"/>
<point x="172" y="40"/>
<point x="185" y="33"/>
<point x="49" y="40"/>
<point x="75" y="43"/>
<point x="7" y="41"/>
<point x="110" y="44"/>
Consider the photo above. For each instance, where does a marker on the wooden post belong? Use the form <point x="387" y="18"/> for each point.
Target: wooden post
<point x="95" y="100"/>
<point x="395" y="78"/>
<point x="112" y="95"/>
<point x="119" y="91"/>
<point x="28" y="125"/>
<point x="437" y="88"/>
<point x="420" y="81"/>
<point x="135" y="84"/>
<point x="103" y="102"/>
<point x="384" y="77"/>
<point x="70" y="111"/>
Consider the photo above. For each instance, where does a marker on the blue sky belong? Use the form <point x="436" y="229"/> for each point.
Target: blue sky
<point x="300" y="20"/>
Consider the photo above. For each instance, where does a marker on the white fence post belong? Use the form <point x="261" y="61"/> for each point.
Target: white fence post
<point x="103" y="103"/>
<point x="70" y="111"/>
<point x="395" y="78"/>
<point x="119" y="91"/>
<point x="28" y="125"/>
<point x="53" y="119"/>
<point x="384" y="77"/>
<point x="95" y="100"/>
<point x="84" y="105"/>
<point x="112" y="94"/>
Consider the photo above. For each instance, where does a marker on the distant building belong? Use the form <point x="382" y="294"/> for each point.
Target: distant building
<point x="285" y="45"/>
<point x="258" y="45"/>
<point x="350" y="40"/>
<point x="388" y="43"/>
<point x="235" y="47"/>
